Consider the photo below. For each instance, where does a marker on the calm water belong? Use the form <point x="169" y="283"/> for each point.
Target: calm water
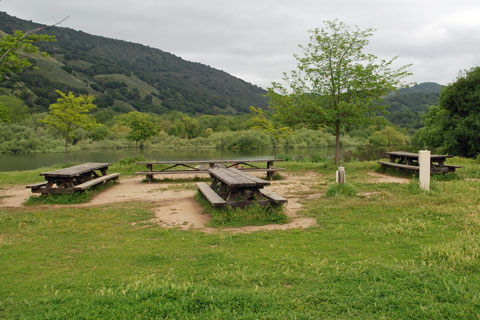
<point x="32" y="161"/>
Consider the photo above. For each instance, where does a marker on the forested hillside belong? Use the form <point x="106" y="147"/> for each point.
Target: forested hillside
<point x="407" y="105"/>
<point x="125" y="76"/>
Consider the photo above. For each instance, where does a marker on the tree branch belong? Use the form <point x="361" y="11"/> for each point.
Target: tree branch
<point x="30" y="32"/>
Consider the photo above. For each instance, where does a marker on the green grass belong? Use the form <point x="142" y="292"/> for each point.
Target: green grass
<point x="397" y="254"/>
<point x="256" y="215"/>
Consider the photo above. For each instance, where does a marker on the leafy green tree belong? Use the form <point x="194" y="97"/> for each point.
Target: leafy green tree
<point x="388" y="136"/>
<point x="4" y="114"/>
<point x="274" y="130"/>
<point x="11" y="47"/>
<point x="335" y="84"/>
<point x="141" y="127"/>
<point x="454" y="126"/>
<point x="70" y="113"/>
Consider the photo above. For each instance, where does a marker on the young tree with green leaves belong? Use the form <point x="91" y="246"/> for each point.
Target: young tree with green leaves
<point x="69" y="113"/>
<point x="141" y="127"/>
<point x="275" y="131"/>
<point x="336" y="83"/>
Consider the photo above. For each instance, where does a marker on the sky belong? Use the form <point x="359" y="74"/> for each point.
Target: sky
<point x="255" y="40"/>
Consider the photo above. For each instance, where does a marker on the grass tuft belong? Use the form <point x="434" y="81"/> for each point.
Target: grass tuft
<point x="341" y="189"/>
<point x="253" y="215"/>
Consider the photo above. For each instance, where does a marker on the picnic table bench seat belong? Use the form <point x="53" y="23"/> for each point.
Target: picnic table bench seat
<point x="36" y="186"/>
<point x="94" y="182"/>
<point x="212" y="197"/>
<point x="272" y="196"/>
<point x="399" y="165"/>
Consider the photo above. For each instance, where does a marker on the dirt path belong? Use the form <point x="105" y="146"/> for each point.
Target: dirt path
<point x="175" y="207"/>
<point x="174" y="204"/>
<point x="383" y="178"/>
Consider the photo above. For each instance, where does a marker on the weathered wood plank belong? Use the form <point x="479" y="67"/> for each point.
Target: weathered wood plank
<point x="398" y="165"/>
<point x="212" y="197"/>
<point x="93" y="182"/>
<point x="76" y="170"/>
<point x="37" y="185"/>
<point x="231" y="179"/>
<point x="257" y="180"/>
<point x="275" y="198"/>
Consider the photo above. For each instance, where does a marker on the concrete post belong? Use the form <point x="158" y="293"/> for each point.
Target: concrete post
<point x="424" y="172"/>
<point x="341" y="175"/>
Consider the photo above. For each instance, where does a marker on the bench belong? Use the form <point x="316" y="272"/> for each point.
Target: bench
<point x="94" y="182"/>
<point x="273" y="197"/>
<point x="212" y="197"/>
<point x="399" y="165"/>
<point x="36" y="186"/>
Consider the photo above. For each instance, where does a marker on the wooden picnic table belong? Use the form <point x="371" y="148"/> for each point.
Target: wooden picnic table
<point x="409" y="161"/>
<point x="195" y="166"/>
<point x="232" y="187"/>
<point x="76" y="178"/>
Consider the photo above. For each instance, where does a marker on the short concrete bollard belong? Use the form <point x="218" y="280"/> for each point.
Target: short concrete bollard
<point x="424" y="171"/>
<point x="341" y="175"/>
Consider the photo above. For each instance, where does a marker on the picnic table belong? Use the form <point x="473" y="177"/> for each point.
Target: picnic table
<point x="232" y="187"/>
<point x="409" y="161"/>
<point x="76" y="178"/>
<point x="203" y="166"/>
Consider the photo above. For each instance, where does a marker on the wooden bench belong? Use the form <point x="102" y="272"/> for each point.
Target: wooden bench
<point x="212" y="197"/>
<point x="273" y="197"/>
<point x="35" y="187"/>
<point x="399" y="165"/>
<point x="94" y="182"/>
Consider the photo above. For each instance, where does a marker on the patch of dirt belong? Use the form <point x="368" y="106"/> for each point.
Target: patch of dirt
<point x="383" y="178"/>
<point x="175" y="207"/>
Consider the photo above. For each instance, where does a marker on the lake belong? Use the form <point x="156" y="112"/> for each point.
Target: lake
<point x="9" y="162"/>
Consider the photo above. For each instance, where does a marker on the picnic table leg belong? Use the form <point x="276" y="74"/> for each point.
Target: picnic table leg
<point x="269" y="173"/>
<point x="150" y="176"/>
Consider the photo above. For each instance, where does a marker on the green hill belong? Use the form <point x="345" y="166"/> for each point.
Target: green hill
<point x="126" y="76"/>
<point x="407" y="105"/>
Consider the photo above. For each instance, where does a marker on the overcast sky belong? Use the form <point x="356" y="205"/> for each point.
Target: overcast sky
<point x="255" y="39"/>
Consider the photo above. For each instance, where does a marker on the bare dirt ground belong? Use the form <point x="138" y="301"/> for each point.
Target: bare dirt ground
<point x="175" y="206"/>
<point x="383" y="178"/>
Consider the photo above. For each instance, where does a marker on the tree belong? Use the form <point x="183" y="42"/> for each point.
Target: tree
<point x="275" y="131"/>
<point x="388" y="136"/>
<point x="335" y="84"/>
<point x="454" y="125"/>
<point x="141" y="127"/>
<point x="70" y="113"/>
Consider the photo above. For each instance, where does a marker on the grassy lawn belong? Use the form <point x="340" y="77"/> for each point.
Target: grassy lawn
<point x="391" y="251"/>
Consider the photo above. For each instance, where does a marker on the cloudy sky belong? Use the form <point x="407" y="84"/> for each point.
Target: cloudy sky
<point x="255" y="39"/>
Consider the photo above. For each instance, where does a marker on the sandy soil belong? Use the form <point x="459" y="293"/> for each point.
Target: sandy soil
<point x="383" y="178"/>
<point x="175" y="207"/>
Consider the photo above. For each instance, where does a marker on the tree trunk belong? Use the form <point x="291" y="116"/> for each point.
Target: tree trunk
<point x="337" y="142"/>
<point x="275" y="148"/>
<point x="66" y="144"/>
<point x="136" y="149"/>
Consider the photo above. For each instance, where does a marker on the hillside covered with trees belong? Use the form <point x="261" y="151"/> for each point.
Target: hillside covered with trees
<point x="125" y="76"/>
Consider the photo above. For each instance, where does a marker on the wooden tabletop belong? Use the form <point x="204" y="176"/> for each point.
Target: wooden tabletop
<point x="415" y="155"/>
<point x="207" y="161"/>
<point x="76" y="170"/>
<point x="236" y="178"/>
